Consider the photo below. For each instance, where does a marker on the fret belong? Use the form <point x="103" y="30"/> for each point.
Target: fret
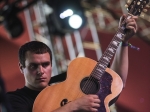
<point x="106" y="58"/>
<point x="99" y="70"/>
<point x="101" y="67"/>
<point x="122" y="29"/>
<point x="112" y="46"/>
<point x="114" y="43"/>
<point x="111" y="50"/>
<point x="109" y="54"/>
<point x="119" y="35"/>
<point x="98" y="73"/>
<point x="96" y="76"/>
<point x="105" y="61"/>
<point x="118" y="41"/>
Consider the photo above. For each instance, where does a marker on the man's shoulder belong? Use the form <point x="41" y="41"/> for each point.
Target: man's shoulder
<point x="17" y="91"/>
<point x="23" y="93"/>
<point x="16" y="94"/>
<point x="20" y="100"/>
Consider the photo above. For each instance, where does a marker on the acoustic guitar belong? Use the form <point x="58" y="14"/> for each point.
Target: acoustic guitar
<point x="86" y="76"/>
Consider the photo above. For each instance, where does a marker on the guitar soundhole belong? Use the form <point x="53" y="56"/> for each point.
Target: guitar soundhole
<point x="90" y="85"/>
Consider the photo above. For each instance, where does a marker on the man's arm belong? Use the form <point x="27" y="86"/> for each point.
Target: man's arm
<point x="121" y="62"/>
<point x="89" y="103"/>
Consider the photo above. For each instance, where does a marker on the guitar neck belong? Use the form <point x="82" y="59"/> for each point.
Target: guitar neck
<point x="110" y="51"/>
<point x="135" y="9"/>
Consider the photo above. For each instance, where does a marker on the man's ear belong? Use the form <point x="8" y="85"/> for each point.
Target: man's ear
<point x="21" y="67"/>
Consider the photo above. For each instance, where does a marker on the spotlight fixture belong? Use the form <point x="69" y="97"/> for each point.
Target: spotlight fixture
<point x="9" y="16"/>
<point x="68" y="15"/>
<point x="11" y="21"/>
<point x="14" y="26"/>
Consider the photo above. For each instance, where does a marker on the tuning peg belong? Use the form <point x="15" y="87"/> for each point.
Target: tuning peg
<point x="142" y="15"/>
<point x="147" y="6"/>
<point x="126" y="5"/>
<point x="144" y="10"/>
<point x="128" y="1"/>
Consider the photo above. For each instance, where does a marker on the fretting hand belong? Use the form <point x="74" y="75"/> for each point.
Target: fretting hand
<point x="131" y="26"/>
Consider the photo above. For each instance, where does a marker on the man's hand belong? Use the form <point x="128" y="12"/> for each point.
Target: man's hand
<point x="87" y="103"/>
<point x="131" y="26"/>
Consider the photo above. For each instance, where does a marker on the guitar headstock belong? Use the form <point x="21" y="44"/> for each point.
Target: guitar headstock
<point x="136" y="6"/>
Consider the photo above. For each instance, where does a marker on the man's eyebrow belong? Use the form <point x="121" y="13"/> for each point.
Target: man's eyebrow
<point x="46" y="62"/>
<point x="34" y="63"/>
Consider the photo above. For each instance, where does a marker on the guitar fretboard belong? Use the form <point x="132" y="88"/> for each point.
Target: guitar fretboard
<point x="109" y="52"/>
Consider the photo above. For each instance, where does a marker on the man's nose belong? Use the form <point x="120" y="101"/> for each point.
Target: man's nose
<point x="40" y="70"/>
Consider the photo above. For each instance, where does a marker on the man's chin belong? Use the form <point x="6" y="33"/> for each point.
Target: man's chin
<point x="42" y="85"/>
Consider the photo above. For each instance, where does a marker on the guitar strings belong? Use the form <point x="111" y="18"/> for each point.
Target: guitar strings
<point x="91" y="78"/>
<point x="88" y="84"/>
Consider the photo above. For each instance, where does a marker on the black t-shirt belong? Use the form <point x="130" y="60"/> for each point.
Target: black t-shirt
<point x="22" y="99"/>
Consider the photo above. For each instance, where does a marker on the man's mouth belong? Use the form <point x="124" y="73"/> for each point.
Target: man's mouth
<point x="41" y="79"/>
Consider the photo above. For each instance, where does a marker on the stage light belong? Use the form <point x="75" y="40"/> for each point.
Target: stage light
<point x="76" y="24"/>
<point x="68" y="15"/>
<point x="75" y="21"/>
<point x="14" y="26"/>
<point x="9" y="17"/>
<point x="11" y="21"/>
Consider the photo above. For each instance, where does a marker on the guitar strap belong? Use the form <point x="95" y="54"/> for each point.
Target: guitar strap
<point x="58" y="78"/>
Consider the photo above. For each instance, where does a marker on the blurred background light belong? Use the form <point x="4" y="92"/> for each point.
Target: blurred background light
<point x="14" y="26"/>
<point x="9" y="16"/>
<point x="66" y="13"/>
<point x="75" y="21"/>
<point x="11" y="21"/>
<point x="67" y="16"/>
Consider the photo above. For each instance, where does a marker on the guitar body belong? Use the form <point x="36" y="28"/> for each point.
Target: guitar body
<point x="107" y="88"/>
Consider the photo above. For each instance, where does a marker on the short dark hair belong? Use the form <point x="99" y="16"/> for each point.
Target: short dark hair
<point x="34" y="47"/>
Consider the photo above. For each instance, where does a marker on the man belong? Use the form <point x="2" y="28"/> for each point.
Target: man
<point x="35" y="62"/>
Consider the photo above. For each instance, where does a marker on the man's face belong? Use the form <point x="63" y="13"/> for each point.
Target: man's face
<point x="37" y="70"/>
